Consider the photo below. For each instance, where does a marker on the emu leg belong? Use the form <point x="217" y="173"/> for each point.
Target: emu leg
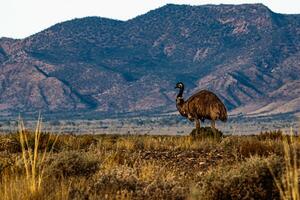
<point x="213" y="124"/>
<point x="197" y="124"/>
<point x="213" y="127"/>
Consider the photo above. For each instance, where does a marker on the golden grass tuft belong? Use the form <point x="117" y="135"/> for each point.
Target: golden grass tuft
<point x="288" y="183"/>
<point x="33" y="163"/>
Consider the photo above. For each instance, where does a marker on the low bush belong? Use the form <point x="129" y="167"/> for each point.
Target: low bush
<point x="206" y="132"/>
<point x="72" y="163"/>
<point x="251" y="179"/>
<point x="246" y="146"/>
<point x="271" y="135"/>
<point x="11" y="143"/>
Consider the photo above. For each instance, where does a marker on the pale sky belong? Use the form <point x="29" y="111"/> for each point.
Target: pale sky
<point x="22" y="18"/>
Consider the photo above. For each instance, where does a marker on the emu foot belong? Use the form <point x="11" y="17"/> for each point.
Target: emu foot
<point x="206" y="132"/>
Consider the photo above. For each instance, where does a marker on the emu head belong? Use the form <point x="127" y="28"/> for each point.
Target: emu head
<point x="179" y="85"/>
<point x="179" y="98"/>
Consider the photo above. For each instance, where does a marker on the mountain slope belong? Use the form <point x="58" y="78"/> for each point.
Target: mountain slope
<point x="247" y="54"/>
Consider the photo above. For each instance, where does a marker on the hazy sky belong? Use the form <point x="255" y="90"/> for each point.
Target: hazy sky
<point x="21" y="18"/>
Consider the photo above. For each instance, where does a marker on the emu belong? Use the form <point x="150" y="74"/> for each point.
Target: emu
<point x="202" y="105"/>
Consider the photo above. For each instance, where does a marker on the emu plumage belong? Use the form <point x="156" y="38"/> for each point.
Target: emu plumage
<point x="200" y="106"/>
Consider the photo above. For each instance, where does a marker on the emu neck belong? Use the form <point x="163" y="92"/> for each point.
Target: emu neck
<point x="180" y="102"/>
<point x="180" y="93"/>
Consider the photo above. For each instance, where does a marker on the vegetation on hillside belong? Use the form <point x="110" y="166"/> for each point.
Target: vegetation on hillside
<point x="246" y="54"/>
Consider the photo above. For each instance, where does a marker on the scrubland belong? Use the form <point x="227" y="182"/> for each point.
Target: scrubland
<point x="40" y="165"/>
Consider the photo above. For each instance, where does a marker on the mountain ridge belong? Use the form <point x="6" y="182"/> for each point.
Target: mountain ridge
<point x="247" y="54"/>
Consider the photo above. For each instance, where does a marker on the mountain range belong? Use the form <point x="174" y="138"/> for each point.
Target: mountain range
<point x="247" y="54"/>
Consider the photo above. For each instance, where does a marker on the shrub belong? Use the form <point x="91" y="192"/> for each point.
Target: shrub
<point x="6" y="161"/>
<point x="206" y="132"/>
<point x="72" y="142"/>
<point x="9" y="144"/>
<point x="12" y="143"/>
<point x="251" y="179"/>
<point x="244" y="147"/>
<point x="146" y="182"/>
<point x="72" y="163"/>
<point x="272" y="135"/>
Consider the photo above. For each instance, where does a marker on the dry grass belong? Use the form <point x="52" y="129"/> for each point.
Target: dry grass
<point x="249" y="179"/>
<point x="39" y="165"/>
<point x="32" y="164"/>
<point x="288" y="183"/>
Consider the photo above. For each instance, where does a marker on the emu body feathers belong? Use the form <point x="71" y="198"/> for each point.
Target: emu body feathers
<point x="200" y="106"/>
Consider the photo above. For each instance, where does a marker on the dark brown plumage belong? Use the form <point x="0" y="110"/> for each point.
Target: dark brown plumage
<point x="200" y="106"/>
